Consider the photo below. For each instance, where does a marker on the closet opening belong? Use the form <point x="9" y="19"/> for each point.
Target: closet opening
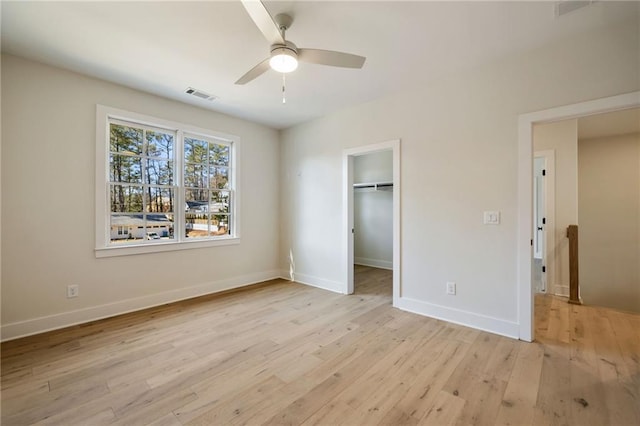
<point x="372" y="222"/>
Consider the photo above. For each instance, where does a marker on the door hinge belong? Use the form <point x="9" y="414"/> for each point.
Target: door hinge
<point x="544" y="269"/>
<point x="544" y="220"/>
<point x="544" y="172"/>
<point x="531" y="242"/>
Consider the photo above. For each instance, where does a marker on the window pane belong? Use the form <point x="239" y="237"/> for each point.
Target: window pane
<point x="195" y="175"/>
<point x="159" y="172"/>
<point x="196" y="225"/>
<point x="125" y="168"/>
<point x="197" y="200"/>
<point x="220" y="224"/>
<point x="220" y="201"/>
<point x="218" y="178"/>
<point x="218" y="154"/>
<point x="159" y="145"/>
<point x="126" y="198"/>
<point x="126" y="228"/>
<point x="159" y="227"/>
<point x="160" y="200"/>
<point x="125" y="139"/>
<point x="195" y="151"/>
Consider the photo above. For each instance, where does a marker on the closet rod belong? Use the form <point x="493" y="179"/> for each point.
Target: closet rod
<point x="373" y="185"/>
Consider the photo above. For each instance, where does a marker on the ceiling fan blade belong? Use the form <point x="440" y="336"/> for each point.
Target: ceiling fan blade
<point x="330" y="57"/>
<point x="263" y="20"/>
<point x="254" y="72"/>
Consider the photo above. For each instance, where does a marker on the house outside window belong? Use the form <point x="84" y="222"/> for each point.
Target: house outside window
<point x="162" y="185"/>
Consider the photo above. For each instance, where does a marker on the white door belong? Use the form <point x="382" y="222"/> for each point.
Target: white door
<point x="539" y="225"/>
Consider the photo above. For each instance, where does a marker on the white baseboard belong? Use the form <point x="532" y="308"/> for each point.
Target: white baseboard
<point x="335" y="286"/>
<point x="561" y="290"/>
<point x="457" y="316"/>
<point x="65" y="319"/>
<point x="374" y="263"/>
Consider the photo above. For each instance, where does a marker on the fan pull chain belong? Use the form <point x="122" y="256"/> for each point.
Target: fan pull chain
<point x="284" y="99"/>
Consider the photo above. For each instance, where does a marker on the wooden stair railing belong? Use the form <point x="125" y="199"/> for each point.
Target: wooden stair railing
<point x="574" y="292"/>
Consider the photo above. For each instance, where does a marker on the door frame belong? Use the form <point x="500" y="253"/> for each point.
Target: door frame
<point x="525" y="190"/>
<point x="348" y="156"/>
<point x="549" y="239"/>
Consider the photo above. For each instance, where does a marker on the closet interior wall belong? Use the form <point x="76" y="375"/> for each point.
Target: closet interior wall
<point x="373" y="210"/>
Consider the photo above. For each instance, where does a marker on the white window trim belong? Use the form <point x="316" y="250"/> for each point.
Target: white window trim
<point x="102" y="238"/>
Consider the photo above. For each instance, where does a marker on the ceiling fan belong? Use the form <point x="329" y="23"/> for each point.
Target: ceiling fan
<point x="284" y="54"/>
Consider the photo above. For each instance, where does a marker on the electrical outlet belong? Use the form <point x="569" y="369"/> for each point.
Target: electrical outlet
<point x="451" y="288"/>
<point x="72" y="291"/>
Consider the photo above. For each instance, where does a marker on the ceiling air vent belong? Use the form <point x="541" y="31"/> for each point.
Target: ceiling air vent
<point x="568" y="6"/>
<point x="199" y="94"/>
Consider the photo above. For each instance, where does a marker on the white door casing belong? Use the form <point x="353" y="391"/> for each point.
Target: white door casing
<point x="348" y="214"/>
<point x="525" y="189"/>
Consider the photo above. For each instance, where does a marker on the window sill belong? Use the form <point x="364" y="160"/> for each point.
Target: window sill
<point x="163" y="247"/>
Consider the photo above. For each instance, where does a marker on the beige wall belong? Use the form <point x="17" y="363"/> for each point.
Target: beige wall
<point x="609" y="209"/>
<point x="48" y="197"/>
<point x="459" y="157"/>
<point x="562" y="138"/>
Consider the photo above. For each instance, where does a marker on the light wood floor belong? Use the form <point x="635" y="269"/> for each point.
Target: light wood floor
<point x="285" y="353"/>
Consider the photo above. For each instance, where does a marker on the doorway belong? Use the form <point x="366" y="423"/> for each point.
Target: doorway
<point x="525" y="191"/>
<point x="349" y="173"/>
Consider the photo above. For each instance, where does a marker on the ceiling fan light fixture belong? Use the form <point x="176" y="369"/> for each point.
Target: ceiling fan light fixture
<point x="283" y="60"/>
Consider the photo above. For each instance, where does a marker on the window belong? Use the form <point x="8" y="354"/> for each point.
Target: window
<point x="141" y="179"/>
<point x="207" y="187"/>
<point x="162" y="185"/>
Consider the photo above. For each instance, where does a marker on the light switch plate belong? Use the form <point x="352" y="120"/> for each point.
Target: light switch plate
<point x="492" y="218"/>
<point x="451" y="288"/>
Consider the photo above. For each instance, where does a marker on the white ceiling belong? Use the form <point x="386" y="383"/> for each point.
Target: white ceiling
<point x="164" y="47"/>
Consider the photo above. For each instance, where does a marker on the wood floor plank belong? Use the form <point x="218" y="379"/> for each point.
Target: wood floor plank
<point x="24" y="389"/>
<point x="588" y="402"/>
<point x="628" y="339"/>
<point x="446" y="410"/>
<point x="248" y="400"/>
<point x="158" y="364"/>
<point x="333" y="413"/>
<point x="168" y="420"/>
<point x="519" y="400"/>
<point x="274" y="402"/>
<point x="307" y="405"/>
<point x="553" y="406"/>
<point x="431" y="374"/>
<point x="188" y="368"/>
<point x="35" y="408"/>
<point x="104" y="417"/>
<point x="618" y="387"/>
<point x="285" y="353"/>
<point x="395" y="416"/>
<point x="481" y="378"/>
<point x="386" y="382"/>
